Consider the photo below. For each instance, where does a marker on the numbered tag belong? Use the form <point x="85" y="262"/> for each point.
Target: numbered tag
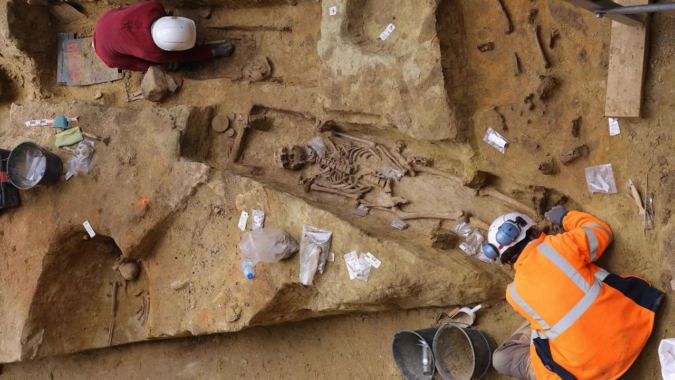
<point x="372" y="260"/>
<point x="332" y="11"/>
<point x="387" y="31"/>
<point x="90" y="230"/>
<point x="243" y="219"/>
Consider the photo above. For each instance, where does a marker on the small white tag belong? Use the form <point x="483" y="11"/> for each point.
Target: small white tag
<point x="243" y="220"/>
<point x="614" y="128"/>
<point x="332" y="256"/>
<point x="332" y="11"/>
<point x="387" y="31"/>
<point x="69" y="175"/>
<point x="258" y="220"/>
<point x="372" y="260"/>
<point x="90" y="230"/>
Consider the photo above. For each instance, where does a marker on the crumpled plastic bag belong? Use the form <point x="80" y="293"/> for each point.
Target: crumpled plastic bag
<point x="473" y="243"/>
<point x="83" y="160"/>
<point x="600" y="179"/>
<point x="267" y="245"/>
<point x="314" y="248"/>
<point x="667" y="358"/>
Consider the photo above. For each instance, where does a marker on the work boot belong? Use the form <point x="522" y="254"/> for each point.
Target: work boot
<point x="173" y="66"/>
<point x="225" y="50"/>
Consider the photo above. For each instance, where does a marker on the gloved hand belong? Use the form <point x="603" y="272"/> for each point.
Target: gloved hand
<point x="556" y="215"/>
<point x="225" y="50"/>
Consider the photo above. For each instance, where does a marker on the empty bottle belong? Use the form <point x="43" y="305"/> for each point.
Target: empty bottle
<point x="247" y="268"/>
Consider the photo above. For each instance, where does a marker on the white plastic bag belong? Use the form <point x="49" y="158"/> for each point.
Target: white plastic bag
<point x="600" y="179"/>
<point x="267" y="245"/>
<point x="314" y="249"/>
<point x="358" y="267"/>
<point x="667" y="357"/>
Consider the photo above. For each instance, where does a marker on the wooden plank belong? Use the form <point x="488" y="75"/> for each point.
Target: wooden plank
<point x="627" y="67"/>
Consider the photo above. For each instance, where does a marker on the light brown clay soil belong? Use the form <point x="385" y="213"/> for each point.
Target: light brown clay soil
<point x="359" y="346"/>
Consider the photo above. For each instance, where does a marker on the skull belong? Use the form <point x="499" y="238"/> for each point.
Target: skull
<point x="291" y="157"/>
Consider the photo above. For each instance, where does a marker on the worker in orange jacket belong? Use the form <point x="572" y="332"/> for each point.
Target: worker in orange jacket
<point x="582" y="322"/>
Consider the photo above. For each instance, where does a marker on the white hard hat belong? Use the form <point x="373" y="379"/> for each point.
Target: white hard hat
<point x="174" y="33"/>
<point x="505" y="232"/>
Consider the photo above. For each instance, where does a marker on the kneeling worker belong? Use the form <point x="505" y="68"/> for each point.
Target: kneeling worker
<point x="143" y="35"/>
<point x="582" y="322"/>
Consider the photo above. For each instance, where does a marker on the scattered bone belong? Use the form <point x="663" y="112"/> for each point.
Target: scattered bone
<point x="528" y="102"/>
<point x="554" y="36"/>
<point x="488" y="46"/>
<point x="568" y="157"/>
<point x="388" y="203"/>
<point x="110" y="332"/>
<point x="424" y="169"/>
<point x="479" y="224"/>
<point x="508" y="26"/>
<point x="576" y="127"/>
<point x="318" y="188"/>
<point x="411" y="216"/>
<point x="548" y="83"/>
<point x="138" y="293"/>
<point x="143" y="310"/>
<point x="548" y="167"/>
<point x="229" y="132"/>
<point x="147" y="309"/>
<point x="65" y="12"/>
<point x="532" y="15"/>
<point x="357" y="139"/>
<point x="547" y="64"/>
<point x="98" y="96"/>
<point x="500" y="119"/>
<point x="516" y="65"/>
<point x="291" y="158"/>
<point x="113" y="310"/>
<point x="443" y="239"/>
<point x="492" y="192"/>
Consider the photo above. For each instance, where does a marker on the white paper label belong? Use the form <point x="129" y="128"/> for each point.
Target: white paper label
<point x="90" y="230"/>
<point x="614" y="128"/>
<point x="387" y="31"/>
<point x="372" y="260"/>
<point x="243" y="219"/>
<point x="498" y="141"/>
<point x="332" y="256"/>
<point x="332" y="11"/>
<point x="258" y="220"/>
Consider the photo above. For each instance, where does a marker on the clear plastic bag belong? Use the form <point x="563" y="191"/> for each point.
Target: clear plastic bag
<point x="314" y="249"/>
<point x="318" y="146"/>
<point x="83" y="159"/>
<point x="267" y="245"/>
<point x="496" y="140"/>
<point x="391" y="173"/>
<point x="358" y="267"/>
<point x="473" y="238"/>
<point x="600" y="179"/>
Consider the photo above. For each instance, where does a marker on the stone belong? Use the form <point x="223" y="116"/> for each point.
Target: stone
<point x="220" y="122"/>
<point x="568" y="157"/>
<point x="154" y="85"/>
<point x="232" y="313"/>
<point x="129" y="271"/>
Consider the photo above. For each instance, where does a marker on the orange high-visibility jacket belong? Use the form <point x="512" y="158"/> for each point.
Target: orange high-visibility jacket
<point x="586" y="322"/>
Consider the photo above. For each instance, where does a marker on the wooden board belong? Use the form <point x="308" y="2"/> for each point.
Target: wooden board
<point x="81" y="66"/>
<point x="627" y="67"/>
<point x="61" y="68"/>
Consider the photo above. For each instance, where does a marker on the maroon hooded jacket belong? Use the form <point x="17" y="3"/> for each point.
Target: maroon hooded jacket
<point x="122" y="39"/>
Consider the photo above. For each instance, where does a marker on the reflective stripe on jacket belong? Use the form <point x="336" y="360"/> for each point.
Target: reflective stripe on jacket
<point x="587" y="323"/>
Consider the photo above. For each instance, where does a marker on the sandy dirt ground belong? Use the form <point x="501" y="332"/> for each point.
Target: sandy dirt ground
<point x="358" y="346"/>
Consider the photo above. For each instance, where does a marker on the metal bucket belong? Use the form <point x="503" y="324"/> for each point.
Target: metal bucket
<point x="407" y="348"/>
<point x="28" y="156"/>
<point x="461" y="352"/>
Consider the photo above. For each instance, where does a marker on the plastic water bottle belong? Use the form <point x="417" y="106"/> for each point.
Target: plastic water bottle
<point x="247" y="268"/>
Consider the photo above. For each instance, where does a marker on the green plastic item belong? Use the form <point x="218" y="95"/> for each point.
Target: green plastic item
<point x="62" y="122"/>
<point x="69" y="137"/>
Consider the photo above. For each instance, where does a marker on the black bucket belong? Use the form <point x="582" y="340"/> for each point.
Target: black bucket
<point x="9" y="195"/>
<point x="31" y="165"/>
<point x="407" y="348"/>
<point x="461" y="352"/>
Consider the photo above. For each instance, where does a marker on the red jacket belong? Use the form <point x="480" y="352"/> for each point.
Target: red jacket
<point x="122" y="39"/>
